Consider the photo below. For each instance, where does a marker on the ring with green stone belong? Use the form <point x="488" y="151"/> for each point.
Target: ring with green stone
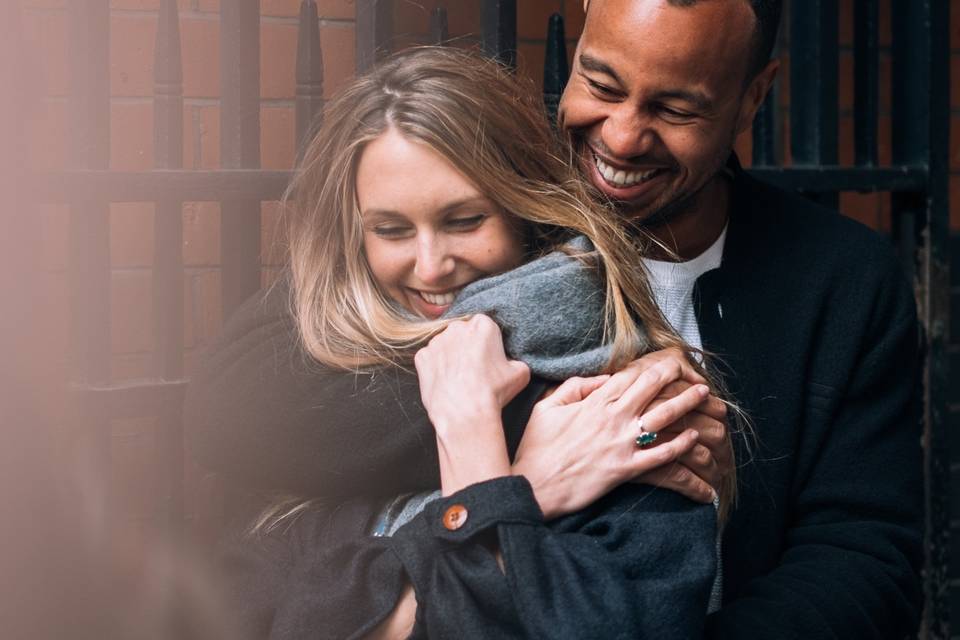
<point x="645" y="436"/>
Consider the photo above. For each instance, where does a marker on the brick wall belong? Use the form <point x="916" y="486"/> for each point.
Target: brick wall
<point x="133" y="25"/>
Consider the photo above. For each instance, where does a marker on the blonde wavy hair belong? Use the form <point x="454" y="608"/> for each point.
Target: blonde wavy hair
<point x="489" y="124"/>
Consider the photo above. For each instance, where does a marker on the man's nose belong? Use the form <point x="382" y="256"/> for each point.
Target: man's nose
<point x="434" y="260"/>
<point x="628" y="134"/>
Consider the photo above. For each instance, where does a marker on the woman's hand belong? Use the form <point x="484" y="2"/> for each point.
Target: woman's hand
<point x="580" y="441"/>
<point x="465" y="381"/>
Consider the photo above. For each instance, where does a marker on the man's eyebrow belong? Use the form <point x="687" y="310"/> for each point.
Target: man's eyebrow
<point x="697" y="99"/>
<point x="596" y="65"/>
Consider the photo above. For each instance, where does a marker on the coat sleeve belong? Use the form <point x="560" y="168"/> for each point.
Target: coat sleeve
<point x="263" y="414"/>
<point x="853" y="546"/>
<point x="637" y="564"/>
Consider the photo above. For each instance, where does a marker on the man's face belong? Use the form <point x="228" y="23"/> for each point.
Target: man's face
<point x="656" y="99"/>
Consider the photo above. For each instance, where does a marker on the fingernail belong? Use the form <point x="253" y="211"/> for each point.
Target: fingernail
<point x="703" y="390"/>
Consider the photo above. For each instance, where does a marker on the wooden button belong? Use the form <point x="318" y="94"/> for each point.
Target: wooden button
<point x="454" y="517"/>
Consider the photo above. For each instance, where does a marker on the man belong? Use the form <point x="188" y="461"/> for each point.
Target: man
<point x="812" y="322"/>
<point x="807" y="309"/>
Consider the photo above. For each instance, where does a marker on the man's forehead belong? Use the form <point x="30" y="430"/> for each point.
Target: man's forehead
<point x="713" y="37"/>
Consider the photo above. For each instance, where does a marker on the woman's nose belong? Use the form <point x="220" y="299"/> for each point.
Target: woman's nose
<point x="434" y="261"/>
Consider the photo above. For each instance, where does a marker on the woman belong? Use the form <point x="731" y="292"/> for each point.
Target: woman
<point x="434" y="190"/>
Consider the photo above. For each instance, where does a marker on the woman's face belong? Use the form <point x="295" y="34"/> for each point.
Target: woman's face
<point x="427" y="230"/>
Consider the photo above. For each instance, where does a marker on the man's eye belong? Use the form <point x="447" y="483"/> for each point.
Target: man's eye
<point x="601" y="89"/>
<point x="676" y="114"/>
<point x="467" y="223"/>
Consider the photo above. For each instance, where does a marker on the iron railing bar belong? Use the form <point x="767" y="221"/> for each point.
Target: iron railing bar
<point x="866" y="74"/>
<point x="199" y="186"/>
<point x="151" y="186"/>
<point x="764" y="133"/>
<point x="89" y="277"/>
<point x="556" y="69"/>
<point x="827" y="179"/>
<point x="498" y="28"/>
<point x="131" y="399"/>
<point x="439" y="31"/>
<point x="239" y="149"/>
<point x="168" y="329"/>
<point x="921" y="107"/>
<point x="309" y="75"/>
<point x="374" y="28"/>
<point x="813" y="85"/>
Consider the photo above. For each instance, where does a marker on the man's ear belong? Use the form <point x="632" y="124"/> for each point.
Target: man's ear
<point x="755" y="94"/>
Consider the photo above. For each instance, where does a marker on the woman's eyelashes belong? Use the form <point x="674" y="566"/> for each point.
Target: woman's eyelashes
<point x="454" y="224"/>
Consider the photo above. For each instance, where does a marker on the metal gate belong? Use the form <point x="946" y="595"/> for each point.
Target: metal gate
<point x="916" y="181"/>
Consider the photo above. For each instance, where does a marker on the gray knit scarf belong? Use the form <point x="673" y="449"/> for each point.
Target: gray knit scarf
<point x="550" y="310"/>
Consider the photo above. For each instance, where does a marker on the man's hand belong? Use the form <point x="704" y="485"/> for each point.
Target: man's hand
<point x="580" y="441"/>
<point x="697" y="474"/>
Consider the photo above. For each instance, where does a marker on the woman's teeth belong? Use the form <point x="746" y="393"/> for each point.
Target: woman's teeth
<point x="620" y="178"/>
<point x="440" y="299"/>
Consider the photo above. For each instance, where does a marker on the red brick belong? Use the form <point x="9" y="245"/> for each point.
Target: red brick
<point x="845" y="24"/>
<point x="201" y="57"/>
<point x="954" y="24"/>
<point x="845" y="148"/>
<point x="131" y="136"/>
<point x="48" y="135"/>
<point x="337" y="44"/>
<point x="885" y="36"/>
<point x="130" y="366"/>
<point x="278" y="56"/>
<point x="277" y="127"/>
<point x="201" y="234"/>
<point x="131" y="54"/>
<point x="533" y="16"/>
<point x="463" y="17"/>
<point x="44" y="39"/>
<point x="412" y="17"/>
<point x="42" y="4"/>
<point x="530" y="59"/>
<point x="131" y="234"/>
<point x="279" y="7"/>
<point x="955" y="142"/>
<point x="573" y="17"/>
<point x="337" y="9"/>
<point x="955" y="80"/>
<point x="884" y="144"/>
<point x="863" y="207"/>
<point x="845" y="80"/>
<point x="131" y="317"/>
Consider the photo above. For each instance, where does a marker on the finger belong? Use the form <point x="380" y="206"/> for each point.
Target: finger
<point x="521" y="377"/>
<point x="647" y="386"/>
<point x="669" y="412"/>
<point x="701" y="462"/>
<point x="679" y="478"/>
<point x="715" y="408"/>
<point x="574" y="390"/>
<point x="647" y="459"/>
<point x="688" y="371"/>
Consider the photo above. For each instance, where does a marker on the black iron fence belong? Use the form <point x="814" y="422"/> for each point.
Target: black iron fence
<point x="916" y="181"/>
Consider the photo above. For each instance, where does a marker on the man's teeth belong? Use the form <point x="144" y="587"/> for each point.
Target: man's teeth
<point x="620" y="178"/>
<point x="440" y="299"/>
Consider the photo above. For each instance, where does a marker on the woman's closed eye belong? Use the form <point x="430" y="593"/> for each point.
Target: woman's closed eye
<point x="466" y="223"/>
<point x="393" y="231"/>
